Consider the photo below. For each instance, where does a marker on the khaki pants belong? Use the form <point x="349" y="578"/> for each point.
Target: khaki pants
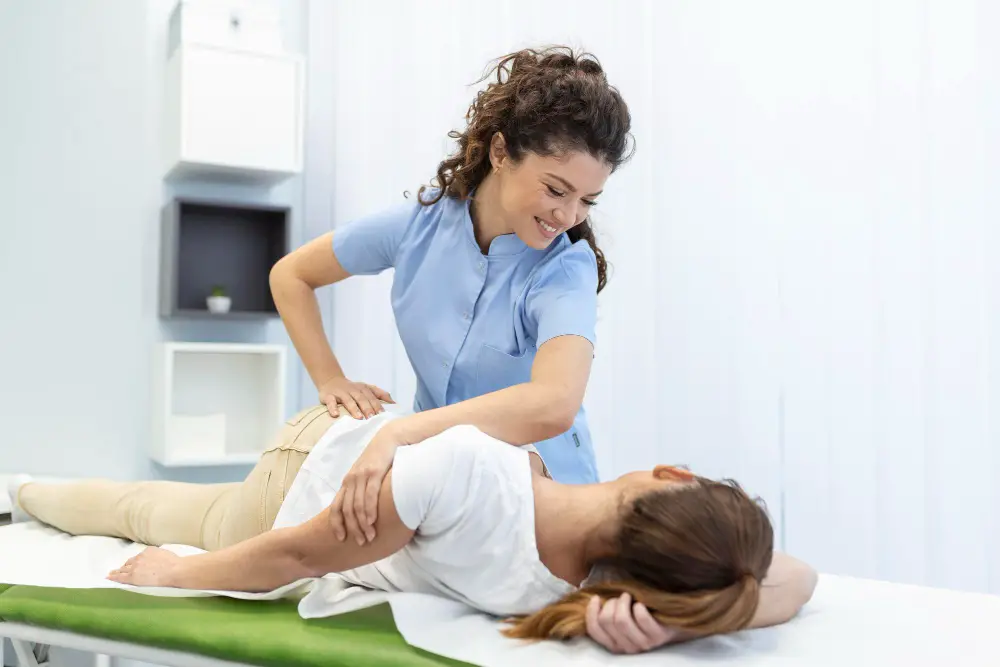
<point x="208" y="516"/>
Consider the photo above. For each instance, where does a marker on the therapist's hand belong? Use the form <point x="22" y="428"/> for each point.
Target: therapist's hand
<point x="355" y="507"/>
<point x="359" y="399"/>
<point x="621" y="626"/>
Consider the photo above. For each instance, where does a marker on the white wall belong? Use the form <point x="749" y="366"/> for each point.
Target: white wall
<point x="81" y="84"/>
<point x="805" y="294"/>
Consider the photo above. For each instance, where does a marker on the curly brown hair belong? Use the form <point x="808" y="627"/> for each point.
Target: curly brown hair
<point x="545" y="101"/>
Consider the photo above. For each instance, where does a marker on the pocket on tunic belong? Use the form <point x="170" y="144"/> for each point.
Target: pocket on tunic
<point x="496" y="370"/>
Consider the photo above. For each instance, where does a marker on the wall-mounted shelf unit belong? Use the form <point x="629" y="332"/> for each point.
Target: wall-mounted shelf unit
<point x="207" y="243"/>
<point x="233" y="114"/>
<point x="216" y="404"/>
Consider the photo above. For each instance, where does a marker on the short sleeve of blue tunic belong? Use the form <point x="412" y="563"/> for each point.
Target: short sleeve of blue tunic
<point x="472" y="323"/>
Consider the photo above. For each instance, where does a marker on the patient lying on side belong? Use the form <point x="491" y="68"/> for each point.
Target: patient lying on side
<point x="460" y="515"/>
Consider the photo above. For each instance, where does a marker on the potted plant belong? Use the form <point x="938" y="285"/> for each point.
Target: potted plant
<point x="218" y="300"/>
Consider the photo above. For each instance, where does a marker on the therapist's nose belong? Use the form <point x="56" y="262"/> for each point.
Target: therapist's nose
<point x="566" y="215"/>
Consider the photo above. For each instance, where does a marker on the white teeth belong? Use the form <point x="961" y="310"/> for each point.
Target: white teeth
<point x="548" y="228"/>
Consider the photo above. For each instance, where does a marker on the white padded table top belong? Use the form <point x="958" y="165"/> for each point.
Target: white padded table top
<point x="849" y="622"/>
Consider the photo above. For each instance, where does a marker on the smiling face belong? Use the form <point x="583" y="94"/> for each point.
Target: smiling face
<point x="542" y="196"/>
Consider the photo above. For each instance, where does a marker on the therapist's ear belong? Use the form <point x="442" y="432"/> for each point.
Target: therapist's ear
<point x="498" y="151"/>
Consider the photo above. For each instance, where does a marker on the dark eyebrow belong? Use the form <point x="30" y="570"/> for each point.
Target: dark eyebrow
<point x="569" y="186"/>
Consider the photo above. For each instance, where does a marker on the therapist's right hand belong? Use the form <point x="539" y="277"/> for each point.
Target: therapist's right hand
<point x="361" y="400"/>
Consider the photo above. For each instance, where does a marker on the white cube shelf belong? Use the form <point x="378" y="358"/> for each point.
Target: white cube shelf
<point x="216" y="403"/>
<point x="233" y="115"/>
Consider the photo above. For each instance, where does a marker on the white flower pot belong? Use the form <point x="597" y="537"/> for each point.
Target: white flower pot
<point x="219" y="304"/>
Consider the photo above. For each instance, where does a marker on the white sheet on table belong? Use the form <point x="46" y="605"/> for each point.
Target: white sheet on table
<point x="849" y="622"/>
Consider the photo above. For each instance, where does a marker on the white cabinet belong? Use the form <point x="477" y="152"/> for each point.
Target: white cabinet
<point x="234" y="114"/>
<point x="216" y="403"/>
<point x="243" y="24"/>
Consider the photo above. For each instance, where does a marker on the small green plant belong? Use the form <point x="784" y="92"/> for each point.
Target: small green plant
<point x="218" y="290"/>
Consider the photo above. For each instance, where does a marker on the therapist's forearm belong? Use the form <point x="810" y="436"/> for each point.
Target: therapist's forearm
<point x="299" y="310"/>
<point x="520" y="415"/>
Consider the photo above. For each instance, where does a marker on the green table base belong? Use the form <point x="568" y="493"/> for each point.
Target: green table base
<point x="253" y="632"/>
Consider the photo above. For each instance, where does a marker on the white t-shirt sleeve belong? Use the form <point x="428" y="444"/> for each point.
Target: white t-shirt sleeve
<point x="431" y="480"/>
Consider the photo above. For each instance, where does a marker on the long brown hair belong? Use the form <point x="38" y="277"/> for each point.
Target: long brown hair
<point x="543" y="101"/>
<point x="694" y="555"/>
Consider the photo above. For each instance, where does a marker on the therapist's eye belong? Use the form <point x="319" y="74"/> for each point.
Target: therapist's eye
<point x="554" y="192"/>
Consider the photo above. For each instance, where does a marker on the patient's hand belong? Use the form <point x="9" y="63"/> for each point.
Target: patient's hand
<point x="623" y="627"/>
<point x="355" y="507"/>
<point x="152" y="567"/>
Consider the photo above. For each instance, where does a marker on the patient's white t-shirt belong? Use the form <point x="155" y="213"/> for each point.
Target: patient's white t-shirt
<point x="469" y="498"/>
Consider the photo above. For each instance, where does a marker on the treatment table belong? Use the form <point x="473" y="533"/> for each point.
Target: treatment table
<point x="59" y="597"/>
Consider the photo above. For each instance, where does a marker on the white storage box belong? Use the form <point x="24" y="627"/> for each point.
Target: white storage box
<point x="216" y="403"/>
<point x="196" y="437"/>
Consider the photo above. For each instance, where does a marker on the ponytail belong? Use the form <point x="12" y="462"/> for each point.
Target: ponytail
<point x="702" y="612"/>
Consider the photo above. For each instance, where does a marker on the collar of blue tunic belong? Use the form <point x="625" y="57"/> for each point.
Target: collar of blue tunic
<point x="505" y="245"/>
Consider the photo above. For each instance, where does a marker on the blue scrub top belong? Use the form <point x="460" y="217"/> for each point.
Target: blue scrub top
<point x="471" y="323"/>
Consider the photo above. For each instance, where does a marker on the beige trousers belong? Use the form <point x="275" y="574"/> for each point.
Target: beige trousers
<point x="208" y="516"/>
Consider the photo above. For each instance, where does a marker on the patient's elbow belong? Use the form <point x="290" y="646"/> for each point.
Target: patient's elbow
<point x="789" y="586"/>
<point x="802" y="580"/>
<point x="806" y="584"/>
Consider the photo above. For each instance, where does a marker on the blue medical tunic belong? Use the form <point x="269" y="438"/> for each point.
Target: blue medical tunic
<point x="471" y="323"/>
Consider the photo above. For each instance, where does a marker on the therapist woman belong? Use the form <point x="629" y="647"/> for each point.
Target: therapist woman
<point x="496" y="276"/>
<point x="496" y="273"/>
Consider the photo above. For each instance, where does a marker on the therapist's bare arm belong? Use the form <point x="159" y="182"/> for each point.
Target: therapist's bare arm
<point x="286" y="555"/>
<point x="294" y="280"/>
<point x="522" y="414"/>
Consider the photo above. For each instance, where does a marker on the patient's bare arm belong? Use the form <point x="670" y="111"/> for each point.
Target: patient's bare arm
<point x="621" y="626"/>
<point x="788" y="586"/>
<point x="273" y="559"/>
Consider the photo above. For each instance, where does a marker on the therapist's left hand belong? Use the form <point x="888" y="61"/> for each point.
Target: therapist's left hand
<point x="355" y="507"/>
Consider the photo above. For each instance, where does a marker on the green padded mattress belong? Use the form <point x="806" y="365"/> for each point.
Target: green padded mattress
<point x="253" y="632"/>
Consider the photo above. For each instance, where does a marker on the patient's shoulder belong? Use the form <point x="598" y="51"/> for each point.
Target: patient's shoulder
<point x="460" y="471"/>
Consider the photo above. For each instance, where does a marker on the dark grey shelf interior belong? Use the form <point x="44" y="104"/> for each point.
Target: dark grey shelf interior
<point x="208" y="243"/>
